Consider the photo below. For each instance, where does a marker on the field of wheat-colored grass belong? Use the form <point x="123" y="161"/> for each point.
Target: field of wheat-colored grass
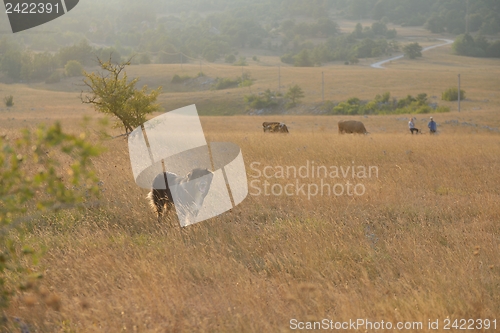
<point x="421" y="243"/>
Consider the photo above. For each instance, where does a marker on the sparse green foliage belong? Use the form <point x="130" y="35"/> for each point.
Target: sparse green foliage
<point x="224" y="83"/>
<point x="9" y="100"/>
<point x="241" y="62"/>
<point x="245" y="78"/>
<point x="384" y="98"/>
<point x="268" y="99"/>
<point x="73" y="68"/>
<point x="112" y="93"/>
<point x="180" y="79"/>
<point x="451" y="94"/>
<point x="242" y="81"/>
<point x="412" y="50"/>
<point x="294" y="94"/>
<point x="383" y="105"/>
<point x="32" y="182"/>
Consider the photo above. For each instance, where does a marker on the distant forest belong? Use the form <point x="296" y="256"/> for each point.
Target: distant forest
<point x="301" y="32"/>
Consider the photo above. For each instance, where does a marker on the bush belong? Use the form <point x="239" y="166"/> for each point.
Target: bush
<point x="382" y="105"/>
<point x="288" y="58"/>
<point x="230" y="58"/>
<point x="294" y="94"/>
<point x="452" y="95"/>
<point x="441" y="109"/>
<point x="180" y="79"/>
<point x="268" y="100"/>
<point x="53" y="78"/>
<point x="9" y="100"/>
<point x="241" y="62"/>
<point x="346" y="108"/>
<point x="327" y="106"/>
<point x="245" y="83"/>
<point x="303" y="59"/>
<point x="412" y="50"/>
<point x="224" y="83"/>
<point x="73" y="68"/>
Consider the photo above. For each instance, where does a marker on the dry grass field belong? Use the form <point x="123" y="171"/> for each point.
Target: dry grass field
<point x="420" y="244"/>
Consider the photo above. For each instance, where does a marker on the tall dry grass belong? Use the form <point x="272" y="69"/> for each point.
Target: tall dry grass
<point x="421" y="244"/>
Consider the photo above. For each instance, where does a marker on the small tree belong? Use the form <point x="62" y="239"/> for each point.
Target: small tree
<point x="464" y="45"/>
<point x="73" y="68"/>
<point x="303" y="59"/>
<point x="412" y="50"/>
<point x="230" y="58"/>
<point x="451" y="94"/>
<point x="294" y="93"/>
<point x="112" y="93"/>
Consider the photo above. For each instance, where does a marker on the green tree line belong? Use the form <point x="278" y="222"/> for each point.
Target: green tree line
<point x="21" y="64"/>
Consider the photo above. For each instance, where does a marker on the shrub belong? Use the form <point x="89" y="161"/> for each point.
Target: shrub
<point x="327" y="106"/>
<point x="294" y="94"/>
<point x="53" y="78"/>
<point x="303" y="59"/>
<point x="346" y="108"/>
<point x="73" y="68"/>
<point x="241" y="62"/>
<point x="176" y="79"/>
<point x="245" y="83"/>
<point x="412" y="50"/>
<point x="9" y="100"/>
<point x="384" y="98"/>
<point x="382" y="105"/>
<point x="441" y="109"/>
<point x="180" y="79"/>
<point x="230" y="58"/>
<point x="268" y="100"/>
<point x="224" y="83"/>
<point x="452" y="94"/>
<point x="288" y="58"/>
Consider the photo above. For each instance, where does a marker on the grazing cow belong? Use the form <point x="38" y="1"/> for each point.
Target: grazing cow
<point x="189" y="191"/>
<point x="275" y="127"/>
<point x="351" y="126"/>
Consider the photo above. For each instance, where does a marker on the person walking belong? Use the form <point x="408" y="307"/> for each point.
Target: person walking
<point x="411" y="125"/>
<point x="432" y="126"/>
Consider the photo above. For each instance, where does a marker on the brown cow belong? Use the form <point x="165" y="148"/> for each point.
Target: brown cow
<point x="274" y="127"/>
<point x="351" y="126"/>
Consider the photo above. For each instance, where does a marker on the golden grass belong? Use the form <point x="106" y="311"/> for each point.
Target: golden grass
<point x="421" y="244"/>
